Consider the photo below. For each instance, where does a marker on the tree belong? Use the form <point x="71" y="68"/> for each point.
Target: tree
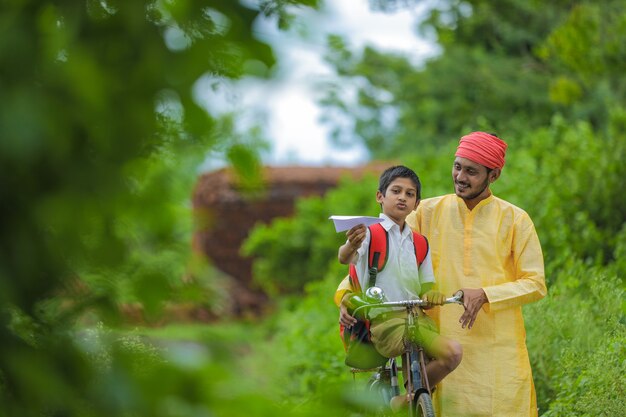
<point x="505" y="67"/>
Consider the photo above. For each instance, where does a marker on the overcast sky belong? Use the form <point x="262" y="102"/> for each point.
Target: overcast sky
<point x="288" y="102"/>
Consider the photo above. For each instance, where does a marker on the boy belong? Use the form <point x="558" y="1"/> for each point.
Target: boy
<point x="398" y="195"/>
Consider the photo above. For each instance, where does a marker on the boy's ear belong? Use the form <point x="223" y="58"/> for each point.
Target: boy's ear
<point x="379" y="197"/>
<point x="417" y="203"/>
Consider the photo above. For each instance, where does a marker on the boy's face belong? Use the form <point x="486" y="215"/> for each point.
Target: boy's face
<point x="399" y="200"/>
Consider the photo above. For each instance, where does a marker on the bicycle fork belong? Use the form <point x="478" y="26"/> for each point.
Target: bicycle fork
<point x="393" y="374"/>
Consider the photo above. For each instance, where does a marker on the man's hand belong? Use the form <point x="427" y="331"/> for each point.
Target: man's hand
<point x="344" y="316"/>
<point x="473" y="300"/>
<point x="433" y="298"/>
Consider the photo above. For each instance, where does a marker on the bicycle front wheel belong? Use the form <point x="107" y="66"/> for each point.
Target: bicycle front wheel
<point x="424" y="406"/>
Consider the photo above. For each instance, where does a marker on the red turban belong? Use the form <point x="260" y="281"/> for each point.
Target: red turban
<point x="482" y="148"/>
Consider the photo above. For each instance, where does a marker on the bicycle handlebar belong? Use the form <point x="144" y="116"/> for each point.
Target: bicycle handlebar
<point x="457" y="298"/>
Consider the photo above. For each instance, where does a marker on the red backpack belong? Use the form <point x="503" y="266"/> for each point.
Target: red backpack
<point x="357" y="340"/>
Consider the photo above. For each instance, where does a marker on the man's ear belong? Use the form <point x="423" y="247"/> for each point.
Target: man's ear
<point x="494" y="174"/>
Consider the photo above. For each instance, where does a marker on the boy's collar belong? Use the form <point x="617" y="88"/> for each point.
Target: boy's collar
<point x="388" y="224"/>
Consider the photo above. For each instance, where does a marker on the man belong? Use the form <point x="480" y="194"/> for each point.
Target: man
<point x="488" y="248"/>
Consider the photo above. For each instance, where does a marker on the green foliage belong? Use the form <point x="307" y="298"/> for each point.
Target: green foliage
<point x="400" y="107"/>
<point x="303" y="354"/>
<point x="102" y="132"/>
<point x="575" y="174"/>
<point x="576" y="338"/>
<point x="161" y="376"/>
<point x="588" y="57"/>
<point x="303" y="340"/>
<point x="510" y="27"/>
<point x="588" y="43"/>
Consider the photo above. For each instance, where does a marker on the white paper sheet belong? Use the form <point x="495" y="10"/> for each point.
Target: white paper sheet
<point x="343" y="223"/>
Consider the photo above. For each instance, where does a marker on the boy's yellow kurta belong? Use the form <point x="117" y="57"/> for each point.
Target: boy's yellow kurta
<point x="494" y="247"/>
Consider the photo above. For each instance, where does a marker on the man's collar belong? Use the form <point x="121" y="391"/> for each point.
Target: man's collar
<point x="481" y="203"/>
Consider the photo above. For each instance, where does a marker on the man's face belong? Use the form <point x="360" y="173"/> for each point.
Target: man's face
<point x="471" y="180"/>
<point x="399" y="200"/>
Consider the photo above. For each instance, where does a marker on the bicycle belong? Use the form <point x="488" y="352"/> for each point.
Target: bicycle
<point x="384" y="382"/>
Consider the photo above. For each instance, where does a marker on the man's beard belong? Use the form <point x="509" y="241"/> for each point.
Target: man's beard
<point x="474" y="195"/>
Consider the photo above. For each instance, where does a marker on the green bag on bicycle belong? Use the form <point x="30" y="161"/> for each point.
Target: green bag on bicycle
<point x="360" y="351"/>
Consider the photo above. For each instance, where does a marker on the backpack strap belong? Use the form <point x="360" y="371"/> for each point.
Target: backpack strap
<point x="421" y="247"/>
<point x="354" y="279"/>
<point x="379" y="242"/>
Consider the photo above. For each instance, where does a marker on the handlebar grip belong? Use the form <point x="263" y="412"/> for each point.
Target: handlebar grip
<point x="457" y="298"/>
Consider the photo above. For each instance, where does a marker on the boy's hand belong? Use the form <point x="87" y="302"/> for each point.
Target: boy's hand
<point x="434" y="297"/>
<point x="356" y="235"/>
<point x="344" y="315"/>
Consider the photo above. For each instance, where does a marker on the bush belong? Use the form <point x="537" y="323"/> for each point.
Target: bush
<point x="575" y="173"/>
<point x="304" y="340"/>
<point x="576" y="338"/>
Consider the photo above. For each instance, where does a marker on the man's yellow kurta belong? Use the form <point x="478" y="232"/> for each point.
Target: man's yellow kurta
<point x="494" y="247"/>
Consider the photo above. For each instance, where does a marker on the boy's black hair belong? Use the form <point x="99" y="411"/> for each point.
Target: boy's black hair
<point x="399" y="171"/>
